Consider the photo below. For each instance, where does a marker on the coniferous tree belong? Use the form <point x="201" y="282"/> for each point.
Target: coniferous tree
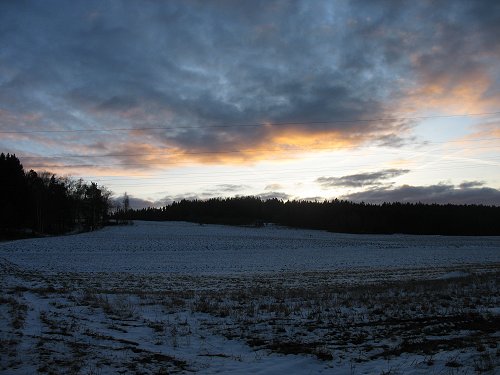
<point x="336" y="215"/>
<point x="46" y="204"/>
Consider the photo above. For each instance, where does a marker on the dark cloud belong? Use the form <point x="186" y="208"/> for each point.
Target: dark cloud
<point x="470" y="184"/>
<point x="441" y="193"/>
<point x="394" y="140"/>
<point x="190" y="65"/>
<point x="169" y="199"/>
<point x="274" y="195"/>
<point x="361" y="179"/>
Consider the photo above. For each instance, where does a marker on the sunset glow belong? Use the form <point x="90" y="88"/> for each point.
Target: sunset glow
<point x="294" y="100"/>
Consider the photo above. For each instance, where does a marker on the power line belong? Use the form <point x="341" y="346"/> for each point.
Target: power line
<point x="144" y="164"/>
<point x="257" y="176"/>
<point x="249" y="151"/>
<point x="264" y="178"/>
<point x="246" y="171"/>
<point x="258" y="124"/>
<point x="252" y="179"/>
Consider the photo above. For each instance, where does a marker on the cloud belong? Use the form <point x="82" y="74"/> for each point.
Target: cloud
<point x="169" y="199"/>
<point x="456" y="71"/>
<point x="441" y="193"/>
<point x="361" y="179"/>
<point x="228" y="188"/>
<point x="216" y="75"/>
<point x="470" y="184"/>
<point x="222" y="190"/>
<point x="274" y="195"/>
<point x="273" y="187"/>
<point x="394" y="140"/>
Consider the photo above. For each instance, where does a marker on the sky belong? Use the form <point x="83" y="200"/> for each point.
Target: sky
<point x="372" y="101"/>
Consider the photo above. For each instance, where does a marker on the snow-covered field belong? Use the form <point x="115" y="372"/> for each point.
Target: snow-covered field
<point x="179" y="297"/>
<point x="178" y="247"/>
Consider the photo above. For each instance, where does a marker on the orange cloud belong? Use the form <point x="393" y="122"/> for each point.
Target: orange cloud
<point x="281" y="143"/>
<point x="456" y="91"/>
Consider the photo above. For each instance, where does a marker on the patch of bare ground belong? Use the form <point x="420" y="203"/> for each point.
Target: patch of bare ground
<point x="145" y="324"/>
<point x="380" y="320"/>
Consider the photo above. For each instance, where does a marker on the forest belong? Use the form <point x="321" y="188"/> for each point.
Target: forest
<point x="336" y="215"/>
<point x="42" y="203"/>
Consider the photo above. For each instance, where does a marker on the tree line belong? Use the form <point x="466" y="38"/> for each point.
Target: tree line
<point x="335" y="215"/>
<point x="35" y="203"/>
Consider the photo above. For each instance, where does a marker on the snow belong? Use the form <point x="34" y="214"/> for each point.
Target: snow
<point x="175" y="297"/>
<point x="179" y="247"/>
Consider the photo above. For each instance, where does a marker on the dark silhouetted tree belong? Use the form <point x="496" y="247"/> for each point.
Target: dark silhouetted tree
<point x="44" y="203"/>
<point x="336" y="215"/>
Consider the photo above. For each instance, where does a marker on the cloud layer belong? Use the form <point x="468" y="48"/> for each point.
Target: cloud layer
<point x="361" y="179"/>
<point x="210" y="71"/>
<point x="466" y="193"/>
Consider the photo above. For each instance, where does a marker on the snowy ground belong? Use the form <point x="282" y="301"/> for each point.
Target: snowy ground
<point x="160" y="298"/>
